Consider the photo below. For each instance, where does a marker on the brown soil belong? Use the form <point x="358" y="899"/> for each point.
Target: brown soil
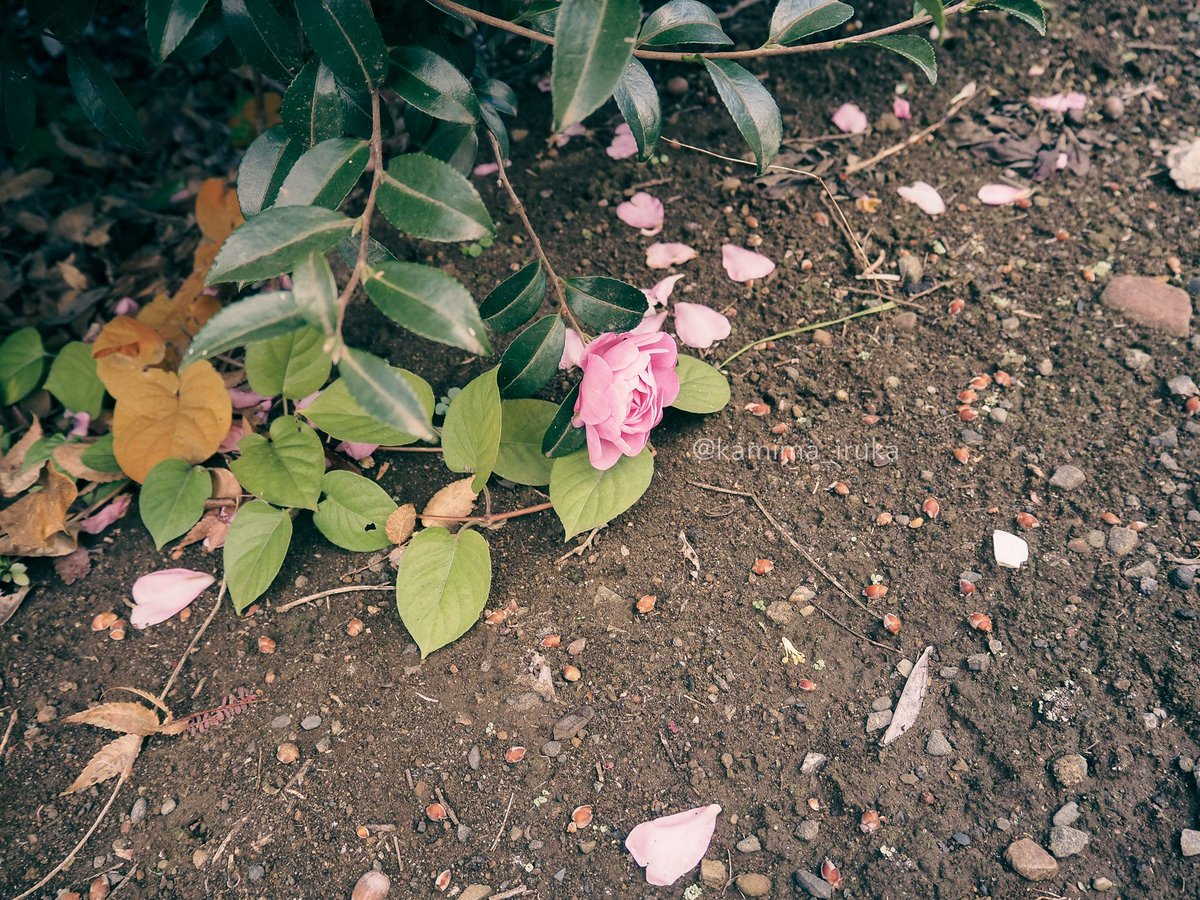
<point x="692" y="704"/>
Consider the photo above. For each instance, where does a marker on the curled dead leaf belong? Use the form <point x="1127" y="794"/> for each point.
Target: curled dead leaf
<point x="123" y="716"/>
<point x="400" y="524"/>
<point x="36" y="524"/>
<point x="14" y="477"/>
<point x="225" y="485"/>
<point x="122" y="349"/>
<point x="113" y="759"/>
<point x="70" y="459"/>
<point x="454" y="501"/>
<point x="10" y="603"/>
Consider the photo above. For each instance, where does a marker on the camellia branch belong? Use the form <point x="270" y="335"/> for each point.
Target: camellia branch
<point x="475" y="15"/>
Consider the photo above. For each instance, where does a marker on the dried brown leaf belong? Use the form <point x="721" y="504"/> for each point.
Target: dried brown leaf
<point x="18" y="187"/>
<point x="36" y="524"/>
<point x="113" y="759"/>
<point x="211" y="529"/>
<point x="70" y="458"/>
<point x="123" y="716"/>
<point x="911" y="699"/>
<point x="454" y="501"/>
<point x="225" y="485"/>
<point x="10" y="603"/>
<point x="14" y="477"/>
<point x="400" y="524"/>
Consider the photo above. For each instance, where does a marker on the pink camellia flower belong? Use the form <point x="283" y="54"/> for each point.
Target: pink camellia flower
<point x="745" y="265"/>
<point x="901" y="108"/>
<point x="628" y="379"/>
<point x="160" y="595"/>
<point x="663" y="256"/>
<point x="357" y="451"/>
<point x="699" y="326"/>
<point x="671" y="846"/>
<point x="572" y="347"/>
<point x="850" y="119"/>
<point x="623" y="145"/>
<point x="644" y="211"/>
<point x="1060" y="103"/>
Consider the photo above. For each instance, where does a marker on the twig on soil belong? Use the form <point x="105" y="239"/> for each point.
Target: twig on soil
<point x="195" y="641"/>
<point x="675" y="763"/>
<point x="519" y="891"/>
<point x="874" y="310"/>
<point x="504" y="821"/>
<point x="237" y="826"/>
<point x="12" y="723"/>
<point x="582" y="548"/>
<point x="298" y="778"/>
<point x="913" y="139"/>
<point x="321" y="595"/>
<point x="446" y="804"/>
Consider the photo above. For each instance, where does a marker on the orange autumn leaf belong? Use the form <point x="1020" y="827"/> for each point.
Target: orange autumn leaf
<point x="161" y="415"/>
<point x="36" y="525"/>
<point x="178" y="319"/>
<point x="217" y="210"/>
<point x="123" y="350"/>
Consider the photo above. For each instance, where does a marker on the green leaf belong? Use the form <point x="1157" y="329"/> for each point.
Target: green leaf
<point x="514" y="300"/>
<point x="913" y="48"/>
<point x="21" y="363"/>
<point x="293" y="365"/>
<point x="17" y="99"/>
<point x="325" y="174"/>
<point x="275" y="240"/>
<point x="454" y="144"/>
<point x="428" y="302"/>
<point x="499" y="95"/>
<point x="338" y="414"/>
<point x="593" y="42"/>
<point x="315" y="292"/>
<point x="562" y="438"/>
<point x="73" y="380"/>
<point x="702" y="389"/>
<point x="637" y="99"/>
<point x="606" y="304"/>
<point x="100" y="455"/>
<point x="442" y="585"/>
<point x="683" y="22"/>
<point x="385" y="394"/>
<point x="264" y="167"/>
<point x="347" y="249"/>
<point x="285" y="470"/>
<point x="204" y="37"/>
<point x="263" y="38"/>
<point x="752" y="107"/>
<point x="937" y="12"/>
<point x="524" y="424"/>
<point x="426" y="198"/>
<point x="346" y="37"/>
<point x="168" y="23"/>
<point x="433" y="85"/>
<point x="313" y="108"/>
<point x="585" y="498"/>
<point x="102" y="101"/>
<point x="255" y="548"/>
<point x="532" y="358"/>
<point x="257" y="318"/>
<point x="354" y="512"/>
<point x="794" y="20"/>
<point x="1030" y="12"/>
<point x="172" y="499"/>
<point x="471" y="433"/>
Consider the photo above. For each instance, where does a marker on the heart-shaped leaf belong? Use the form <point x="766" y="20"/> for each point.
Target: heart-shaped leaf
<point x="471" y="433"/>
<point x="702" y="389"/>
<point x="285" y="470"/>
<point x="354" y="513"/>
<point x="442" y="584"/>
<point x="172" y="499"/>
<point x="292" y="365"/>
<point x="585" y="498"/>
<point x="73" y="380"/>
<point x="255" y="548"/>
<point x="22" y="359"/>
<point x="524" y="425"/>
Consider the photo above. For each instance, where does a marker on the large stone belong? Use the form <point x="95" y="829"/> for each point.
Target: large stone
<point x="1070" y="769"/>
<point x="1067" y="477"/>
<point x="1121" y="540"/>
<point x="1154" y="304"/>
<point x="1067" y="841"/>
<point x="753" y="885"/>
<point x="813" y="885"/>
<point x="1030" y="860"/>
<point x="1189" y="842"/>
<point x="1183" y="163"/>
<point x="937" y="745"/>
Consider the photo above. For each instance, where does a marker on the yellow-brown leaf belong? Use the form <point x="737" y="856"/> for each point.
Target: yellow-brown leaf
<point x="123" y="349"/>
<point x="113" y="759"/>
<point x="70" y="458"/>
<point x="454" y="501"/>
<point x="14" y="477"/>
<point x="217" y="211"/>
<point x="400" y="524"/>
<point x="36" y="525"/>
<point x="124" y="716"/>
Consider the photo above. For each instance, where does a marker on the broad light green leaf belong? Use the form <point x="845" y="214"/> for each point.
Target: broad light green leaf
<point x="937" y="12"/>
<point x="100" y="455"/>
<point x="257" y="318"/>
<point x="913" y="48"/>
<point x="794" y="20"/>
<point x="313" y="108"/>
<point x="18" y="103"/>
<point x="339" y="415"/>
<point x="433" y="85"/>
<point x="325" y="174"/>
<point x="263" y="38"/>
<point x="168" y="23"/>
<point x="292" y="365"/>
<point x="255" y="548"/>
<point x="593" y="42"/>
<point x="285" y="470"/>
<point x="21" y="364"/>
<point x="73" y="380"/>
<point x="683" y="22"/>
<point x="702" y="389"/>
<point x="346" y="37"/>
<point x="606" y="304"/>
<point x="532" y="358"/>
<point x="172" y="499"/>
<point x="442" y="585"/>
<point x="384" y="394"/>
<point x="562" y="438"/>
<point x="275" y="240"/>
<point x="637" y="98"/>
<point x="513" y="301"/>
<point x="752" y="107"/>
<point x="1030" y="12"/>
<point x="264" y="167"/>
<point x="584" y="497"/>
<point x="354" y="512"/>
<point x="102" y="101"/>
<point x="471" y="433"/>
<point x="524" y="425"/>
<point x="428" y="302"/>
<point x="427" y="198"/>
<point x="316" y="293"/>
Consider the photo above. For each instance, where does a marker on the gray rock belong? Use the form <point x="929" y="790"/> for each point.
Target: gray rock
<point x="524" y="701"/>
<point x="308" y="723"/>
<point x="979" y="662"/>
<point x="813" y="763"/>
<point x="1154" y="304"/>
<point x="255" y="872"/>
<point x="1045" y="368"/>
<point x="1030" y="860"/>
<point x="1067" y="841"/>
<point x="281" y="722"/>
<point x="551" y="749"/>
<point x="813" y="885"/>
<point x="168" y="806"/>
<point x="1102" y="884"/>
<point x="803" y="594"/>
<point x="808" y="830"/>
<point x="572" y="723"/>
<point x="1068" y="814"/>
<point x="1183" y="577"/>
<point x="937" y="745"/>
<point x="1067" y="477"/>
<point x="999" y="415"/>
<point x="473" y="757"/>
<point x="879" y="720"/>
<point x="1070" y="769"/>
<point x="881" y="703"/>
<point x="138" y="813"/>
<point x="749" y="844"/>
<point x="1182" y="386"/>
<point x="1168" y="440"/>
<point x="1121" y="540"/>
<point x="1137" y="359"/>
<point x="1189" y="842"/>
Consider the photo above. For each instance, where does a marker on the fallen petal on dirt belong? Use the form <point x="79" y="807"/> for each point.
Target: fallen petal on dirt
<point x="643" y="211"/>
<point x="924" y="196"/>
<point x="663" y="256"/>
<point x="698" y="326"/>
<point x="1011" y="552"/>
<point x="745" y="265"/>
<point x="1060" y="103"/>
<point x="623" y="143"/>
<point x="160" y="595"/>
<point x="661" y="292"/>
<point x="849" y="119"/>
<point x="1002" y="194"/>
<point x="911" y="699"/>
<point x="671" y="846"/>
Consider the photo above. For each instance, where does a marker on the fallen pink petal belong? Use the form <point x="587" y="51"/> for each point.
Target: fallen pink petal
<point x="623" y="145"/>
<point x="484" y="169"/>
<point x="357" y="451"/>
<point x="644" y="211"/>
<point x="563" y="137"/>
<point x="850" y="119"/>
<point x="670" y="847"/>
<point x="663" y="256"/>
<point x="245" y="399"/>
<point x="745" y="265"/>
<point x="661" y="292"/>
<point x="699" y="326"/>
<point x="1060" y="103"/>
<point x="80" y="422"/>
<point x="1002" y="194"/>
<point x="924" y="196"/>
<point x="105" y="516"/>
<point x="238" y="430"/>
<point x="651" y="322"/>
<point x="572" y="347"/>
<point x="160" y="595"/>
<point x="126" y="306"/>
<point x="901" y="108"/>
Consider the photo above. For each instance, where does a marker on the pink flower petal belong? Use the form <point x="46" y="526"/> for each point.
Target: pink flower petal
<point x="244" y="399"/>
<point x="572" y="347"/>
<point x="698" y="326"/>
<point x="672" y="846"/>
<point x="484" y="169"/>
<point x="79" y="423"/>
<point x="663" y="256"/>
<point x="357" y="451"/>
<point x="623" y="145"/>
<point x="105" y="516"/>
<point x="126" y="306"/>
<point x="1001" y="194"/>
<point x="661" y="292"/>
<point x="563" y="138"/>
<point x="745" y="265"/>
<point x="237" y="430"/>
<point x="651" y="322"/>
<point x="1060" y="103"/>
<point x="850" y="119"/>
<point x="924" y="196"/>
<point x="160" y="595"/>
<point x="901" y="108"/>
<point x="642" y="211"/>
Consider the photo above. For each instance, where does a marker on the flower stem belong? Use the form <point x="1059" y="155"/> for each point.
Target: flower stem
<point x="805" y="328"/>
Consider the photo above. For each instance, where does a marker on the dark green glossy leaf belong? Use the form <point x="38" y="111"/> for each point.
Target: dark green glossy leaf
<point x="325" y="174"/>
<point x="593" y="41"/>
<point x="562" y="438"/>
<point x="384" y="393"/>
<point x="314" y="109"/>
<point x="428" y="302"/>
<point x="168" y="23"/>
<point x="347" y="248"/>
<point x="264" y="166"/>
<point x="433" y="85"/>
<point x="204" y="37"/>
<point x="17" y="99"/>
<point x="937" y="12"/>
<point x="794" y="20"/>
<point x="315" y="293"/>
<point x="456" y="145"/>
<point x="275" y="240"/>
<point x="1030" y="12"/>
<point x="64" y="18"/>
<point x="496" y="126"/>
<point x="532" y="358"/>
<point x="255" y="548"/>
<point x="258" y="317"/>
<point x="513" y="301"/>
<point x="265" y="39"/>
<point x="637" y="99"/>
<point x="499" y="95"/>
<point x="427" y="198"/>
<point x="606" y="304"/>
<point x="752" y="107"/>
<point x="913" y="48"/>
<point x="102" y="101"/>
<point x="346" y="37"/>
<point x="523" y="427"/>
<point x="683" y="22"/>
